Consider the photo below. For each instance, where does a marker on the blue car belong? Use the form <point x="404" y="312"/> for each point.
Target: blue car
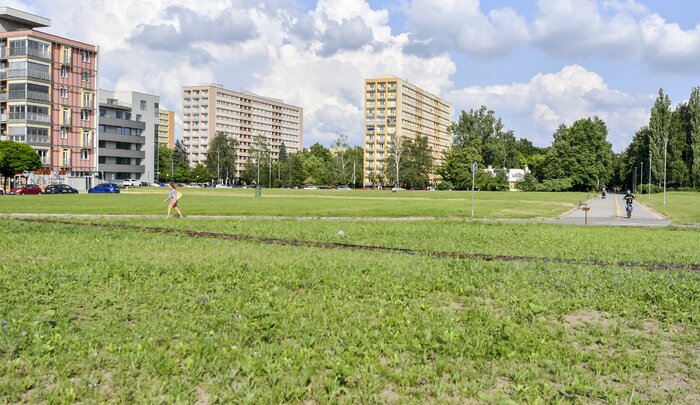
<point x="104" y="188"/>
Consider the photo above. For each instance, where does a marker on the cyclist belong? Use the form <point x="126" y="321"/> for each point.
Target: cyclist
<point x="629" y="198"/>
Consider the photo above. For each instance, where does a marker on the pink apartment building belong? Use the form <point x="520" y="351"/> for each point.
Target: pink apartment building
<point x="48" y="93"/>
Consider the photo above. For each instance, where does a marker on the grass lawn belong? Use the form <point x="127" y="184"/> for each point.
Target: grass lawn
<point x="681" y="207"/>
<point x="97" y="314"/>
<point x="314" y="203"/>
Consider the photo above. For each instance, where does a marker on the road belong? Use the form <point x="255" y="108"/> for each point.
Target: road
<point x="611" y="212"/>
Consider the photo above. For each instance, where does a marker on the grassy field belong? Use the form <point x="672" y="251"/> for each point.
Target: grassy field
<point x="94" y="314"/>
<point x="681" y="207"/>
<point x="314" y="203"/>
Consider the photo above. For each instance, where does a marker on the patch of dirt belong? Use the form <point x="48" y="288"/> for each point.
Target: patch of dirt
<point x="388" y="396"/>
<point x="202" y="397"/>
<point x="588" y="316"/>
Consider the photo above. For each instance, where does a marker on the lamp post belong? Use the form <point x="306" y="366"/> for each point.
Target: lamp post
<point x="641" y="177"/>
<point x="665" y="149"/>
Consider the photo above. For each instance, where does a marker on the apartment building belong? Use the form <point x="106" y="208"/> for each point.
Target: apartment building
<point x="145" y="108"/>
<point x="47" y="97"/>
<point x="166" y="128"/>
<point x="121" y="141"/>
<point x="397" y="109"/>
<point x="210" y="109"/>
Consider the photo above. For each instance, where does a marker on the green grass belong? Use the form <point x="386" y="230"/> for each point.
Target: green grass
<point x="97" y="315"/>
<point x="681" y="207"/>
<point x="318" y="203"/>
<point x="634" y="244"/>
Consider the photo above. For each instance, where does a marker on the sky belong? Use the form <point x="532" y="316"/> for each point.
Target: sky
<point x="536" y="64"/>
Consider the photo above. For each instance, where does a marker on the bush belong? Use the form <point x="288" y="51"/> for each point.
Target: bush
<point x="644" y="189"/>
<point x="564" y="184"/>
<point x="444" y="185"/>
<point x="528" y="183"/>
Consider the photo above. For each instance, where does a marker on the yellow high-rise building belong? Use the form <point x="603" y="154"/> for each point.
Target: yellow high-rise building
<point x="166" y="128"/>
<point x="396" y="108"/>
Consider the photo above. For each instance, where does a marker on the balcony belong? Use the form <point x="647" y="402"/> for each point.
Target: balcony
<point x="28" y="95"/>
<point x="3" y="117"/>
<point x="33" y="139"/>
<point x="116" y="103"/>
<point x="3" y="52"/>
<point x="3" y="75"/>
<point x="24" y="73"/>
<point x="36" y="53"/>
<point x="20" y="116"/>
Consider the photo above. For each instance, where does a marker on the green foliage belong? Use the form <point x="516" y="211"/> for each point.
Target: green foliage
<point x="528" y="183"/>
<point x="165" y="163"/>
<point x="179" y="156"/>
<point x="222" y="156"/>
<point x="17" y="157"/>
<point x="315" y="170"/>
<point x="485" y="181"/>
<point x="694" y="136"/>
<point x="183" y="174"/>
<point x="555" y="185"/>
<point x="457" y="165"/>
<point x="582" y="154"/>
<point x="201" y="174"/>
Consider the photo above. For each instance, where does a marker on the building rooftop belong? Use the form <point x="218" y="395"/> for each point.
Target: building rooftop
<point x="24" y="19"/>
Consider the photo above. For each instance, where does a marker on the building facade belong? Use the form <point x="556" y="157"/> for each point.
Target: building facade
<point x="121" y="141"/>
<point x="210" y="109"/>
<point x="145" y="108"/>
<point x="396" y="109"/>
<point x="166" y="128"/>
<point x="48" y="87"/>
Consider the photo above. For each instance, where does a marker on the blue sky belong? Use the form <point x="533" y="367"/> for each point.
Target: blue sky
<point x="537" y="64"/>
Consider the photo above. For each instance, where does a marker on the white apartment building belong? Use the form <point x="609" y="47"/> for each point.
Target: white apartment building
<point x="209" y="109"/>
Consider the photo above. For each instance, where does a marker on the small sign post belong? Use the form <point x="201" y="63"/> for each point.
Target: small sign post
<point x="475" y="167"/>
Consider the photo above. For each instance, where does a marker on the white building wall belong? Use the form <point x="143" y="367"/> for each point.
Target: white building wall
<point x="145" y="108"/>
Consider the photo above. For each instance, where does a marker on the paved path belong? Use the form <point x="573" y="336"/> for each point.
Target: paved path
<point x="611" y="212"/>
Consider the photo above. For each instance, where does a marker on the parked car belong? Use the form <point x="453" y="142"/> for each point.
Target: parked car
<point x="310" y="188"/>
<point x="157" y="184"/>
<point x="60" y="189"/>
<point x="324" y="187"/>
<point x="26" y="189"/>
<point x="131" y="183"/>
<point x="2" y="191"/>
<point x="343" y="187"/>
<point x="104" y="188"/>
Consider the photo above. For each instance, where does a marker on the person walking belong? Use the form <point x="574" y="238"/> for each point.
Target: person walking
<point x="173" y="196"/>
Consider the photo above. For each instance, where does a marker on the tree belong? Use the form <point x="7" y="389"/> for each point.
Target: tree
<point x="580" y="153"/>
<point x="315" y="170"/>
<point x="397" y="148"/>
<point x="417" y="162"/>
<point x="457" y="165"/>
<point x="341" y="167"/>
<point x="200" y="174"/>
<point x="694" y="136"/>
<point x="17" y="157"/>
<point x="165" y="163"/>
<point x="260" y="153"/>
<point x="482" y="130"/>
<point x="179" y="156"/>
<point x="222" y="156"/>
<point x="659" y="125"/>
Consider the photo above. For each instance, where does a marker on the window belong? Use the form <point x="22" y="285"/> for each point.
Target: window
<point x="64" y="72"/>
<point x="103" y="128"/>
<point x="64" y="92"/>
<point x="86" y="56"/>
<point x="66" y="116"/>
<point x="85" y="115"/>
<point x="120" y="115"/>
<point x="86" y="100"/>
<point x="84" y="154"/>
<point x="138" y="117"/>
<point x="144" y="105"/>
<point x="103" y="112"/>
<point x="66" y="157"/>
<point x="66" y="55"/>
<point x="85" y="76"/>
<point x="63" y="133"/>
<point x="156" y="112"/>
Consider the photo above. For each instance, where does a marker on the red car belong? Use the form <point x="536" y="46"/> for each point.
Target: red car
<point x="26" y="189"/>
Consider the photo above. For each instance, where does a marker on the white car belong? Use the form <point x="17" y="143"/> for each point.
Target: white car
<point x="310" y="188"/>
<point x="131" y="183"/>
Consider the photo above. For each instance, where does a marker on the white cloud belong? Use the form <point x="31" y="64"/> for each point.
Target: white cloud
<point x="623" y="30"/>
<point x="535" y="109"/>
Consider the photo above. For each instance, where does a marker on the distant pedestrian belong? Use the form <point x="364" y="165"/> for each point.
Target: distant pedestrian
<point x="173" y="196"/>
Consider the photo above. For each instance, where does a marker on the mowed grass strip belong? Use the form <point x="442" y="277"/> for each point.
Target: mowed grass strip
<point x="111" y="315"/>
<point x="610" y="244"/>
<point x="308" y="203"/>
<point x="681" y="207"/>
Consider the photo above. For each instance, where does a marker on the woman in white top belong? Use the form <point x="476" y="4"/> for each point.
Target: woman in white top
<point x="172" y="196"/>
